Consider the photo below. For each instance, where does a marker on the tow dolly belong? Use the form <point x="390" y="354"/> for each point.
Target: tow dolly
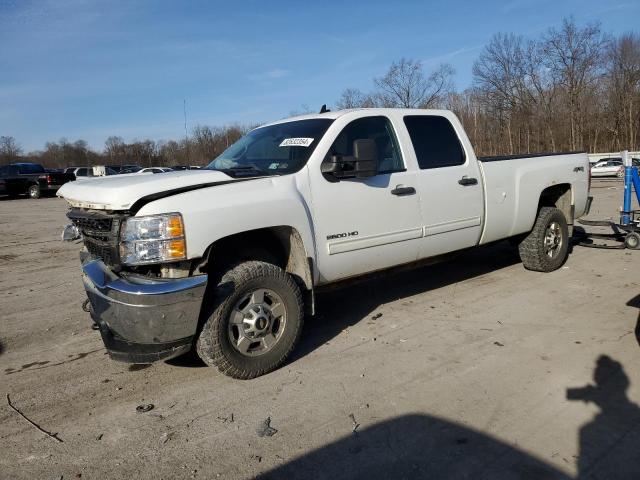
<point x="627" y="231"/>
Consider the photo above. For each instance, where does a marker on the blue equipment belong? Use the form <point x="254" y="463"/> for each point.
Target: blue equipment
<point x="628" y="230"/>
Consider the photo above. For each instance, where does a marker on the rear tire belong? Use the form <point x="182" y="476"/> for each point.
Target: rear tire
<point x="34" y="191"/>
<point x="255" y="321"/>
<point x="546" y="247"/>
<point x="632" y="241"/>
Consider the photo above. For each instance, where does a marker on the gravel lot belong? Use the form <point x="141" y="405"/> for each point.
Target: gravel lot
<point x="465" y="373"/>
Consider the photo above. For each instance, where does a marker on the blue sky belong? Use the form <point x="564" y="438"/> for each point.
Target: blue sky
<point x="90" y="69"/>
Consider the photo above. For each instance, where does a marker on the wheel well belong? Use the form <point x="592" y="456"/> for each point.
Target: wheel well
<point x="281" y="245"/>
<point x="558" y="196"/>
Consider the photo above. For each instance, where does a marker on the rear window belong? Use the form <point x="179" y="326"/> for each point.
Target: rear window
<point x="435" y="141"/>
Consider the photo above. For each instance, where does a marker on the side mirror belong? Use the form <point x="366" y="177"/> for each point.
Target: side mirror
<point x="365" y="152"/>
<point x="363" y="163"/>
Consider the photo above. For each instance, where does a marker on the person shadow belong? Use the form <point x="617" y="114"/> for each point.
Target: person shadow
<point x="610" y="443"/>
<point x="635" y="302"/>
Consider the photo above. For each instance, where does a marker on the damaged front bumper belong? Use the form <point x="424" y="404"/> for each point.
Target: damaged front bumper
<point x="143" y="320"/>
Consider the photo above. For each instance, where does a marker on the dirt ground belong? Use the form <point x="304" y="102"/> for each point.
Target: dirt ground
<point x="472" y="368"/>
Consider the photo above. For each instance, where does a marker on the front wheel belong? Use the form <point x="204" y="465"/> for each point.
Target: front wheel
<point x="546" y="247"/>
<point x="255" y="321"/>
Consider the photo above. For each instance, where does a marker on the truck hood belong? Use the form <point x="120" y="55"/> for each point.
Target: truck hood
<point x="120" y="192"/>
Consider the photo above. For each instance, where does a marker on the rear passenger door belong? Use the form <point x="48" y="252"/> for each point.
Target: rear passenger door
<point x="450" y="185"/>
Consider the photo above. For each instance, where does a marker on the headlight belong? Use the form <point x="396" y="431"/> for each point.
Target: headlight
<point x="152" y="239"/>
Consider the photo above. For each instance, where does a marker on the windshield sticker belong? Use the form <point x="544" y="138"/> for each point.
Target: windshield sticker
<point x="296" y="142"/>
<point x="274" y="166"/>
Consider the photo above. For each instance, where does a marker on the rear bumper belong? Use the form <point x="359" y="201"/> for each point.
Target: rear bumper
<point x="143" y="320"/>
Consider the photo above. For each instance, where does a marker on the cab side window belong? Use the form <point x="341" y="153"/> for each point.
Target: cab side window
<point x="375" y="128"/>
<point x="435" y="141"/>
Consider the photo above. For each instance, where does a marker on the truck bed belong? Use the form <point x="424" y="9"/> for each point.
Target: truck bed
<point x="512" y="189"/>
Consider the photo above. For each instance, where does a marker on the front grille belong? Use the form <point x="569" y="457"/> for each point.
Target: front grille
<point x="100" y="232"/>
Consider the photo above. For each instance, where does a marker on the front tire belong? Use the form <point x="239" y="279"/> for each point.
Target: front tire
<point x="255" y="321"/>
<point x="546" y="247"/>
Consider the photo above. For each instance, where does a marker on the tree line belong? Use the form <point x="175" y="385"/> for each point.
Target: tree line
<point x="203" y="145"/>
<point x="572" y="88"/>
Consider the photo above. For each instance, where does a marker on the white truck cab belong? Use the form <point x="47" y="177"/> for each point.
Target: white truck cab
<point x="226" y="258"/>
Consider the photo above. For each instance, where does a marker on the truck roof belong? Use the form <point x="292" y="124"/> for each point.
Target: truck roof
<point x="338" y="113"/>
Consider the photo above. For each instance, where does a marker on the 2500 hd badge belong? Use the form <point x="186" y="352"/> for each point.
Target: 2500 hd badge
<point x="342" y="235"/>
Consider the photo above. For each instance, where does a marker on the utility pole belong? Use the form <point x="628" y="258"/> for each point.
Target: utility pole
<point x="186" y="135"/>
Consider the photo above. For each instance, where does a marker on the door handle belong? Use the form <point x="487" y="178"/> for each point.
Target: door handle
<point x="402" y="190"/>
<point x="468" y="181"/>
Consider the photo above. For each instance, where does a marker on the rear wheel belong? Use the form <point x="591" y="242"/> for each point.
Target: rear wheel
<point x="34" y="191"/>
<point x="632" y="241"/>
<point x="545" y="248"/>
<point x="255" y="322"/>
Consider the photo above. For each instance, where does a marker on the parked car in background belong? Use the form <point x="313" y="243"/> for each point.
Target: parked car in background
<point x="31" y="179"/>
<point x="130" y="169"/>
<point x="186" y="167"/>
<point x="95" y="171"/>
<point x="154" y="170"/>
<point x="611" y="167"/>
<point x="122" y="168"/>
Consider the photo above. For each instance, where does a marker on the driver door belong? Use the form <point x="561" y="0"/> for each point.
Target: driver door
<point x="366" y="224"/>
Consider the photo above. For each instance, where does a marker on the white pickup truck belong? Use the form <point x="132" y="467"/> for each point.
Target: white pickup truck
<point x="227" y="258"/>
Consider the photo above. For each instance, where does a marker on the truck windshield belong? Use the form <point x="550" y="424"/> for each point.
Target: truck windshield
<point x="273" y="150"/>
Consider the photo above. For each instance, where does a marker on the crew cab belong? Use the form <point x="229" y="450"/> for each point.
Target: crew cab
<point x="31" y="179"/>
<point x="227" y="259"/>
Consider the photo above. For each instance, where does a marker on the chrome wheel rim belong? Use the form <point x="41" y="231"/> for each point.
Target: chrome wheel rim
<point x="257" y="322"/>
<point x="33" y="191"/>
<point x="553" y="239"/>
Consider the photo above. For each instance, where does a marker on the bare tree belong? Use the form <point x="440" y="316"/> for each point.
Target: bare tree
<point x="499" y="74"/>
<point x="405" y="85"/>
<point x="623" y="82"/>
<point x="114" y="148"/>
<point x="10" y="150"/>
<point x="354" y="98"/>
<point x="574" y="56"/>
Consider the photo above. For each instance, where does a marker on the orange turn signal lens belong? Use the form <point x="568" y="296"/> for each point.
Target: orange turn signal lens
<point x="177" y="249"/>
<point x="175" y="227"/>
